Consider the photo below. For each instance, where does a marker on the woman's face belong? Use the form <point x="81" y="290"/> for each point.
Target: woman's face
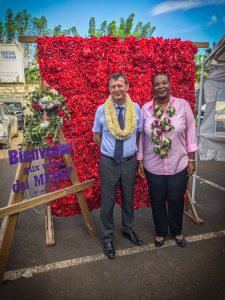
<point x="161" y="86"/>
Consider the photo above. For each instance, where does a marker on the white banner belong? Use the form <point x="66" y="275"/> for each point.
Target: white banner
<point x="11" y="63"/>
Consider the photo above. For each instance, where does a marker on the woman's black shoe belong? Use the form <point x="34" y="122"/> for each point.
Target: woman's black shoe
<point x="181" y="242"/>
<point x="159" y="243"/>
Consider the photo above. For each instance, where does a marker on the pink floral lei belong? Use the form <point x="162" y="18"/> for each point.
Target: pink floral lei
<point x="162" y="144"/>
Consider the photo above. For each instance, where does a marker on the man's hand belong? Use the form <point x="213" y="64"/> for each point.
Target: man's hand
<point x="191" y="168"/>
<point x="97" y="137"/>
<point x="141" y="168"/>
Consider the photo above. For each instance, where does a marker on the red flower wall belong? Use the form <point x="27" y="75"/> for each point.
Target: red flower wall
<point x="79" y="68"/>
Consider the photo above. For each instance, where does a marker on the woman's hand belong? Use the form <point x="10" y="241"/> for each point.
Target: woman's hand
<point x="191" y="168"/>
<point x="141" y="168"/>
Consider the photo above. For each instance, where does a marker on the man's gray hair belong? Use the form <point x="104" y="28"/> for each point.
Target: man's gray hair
<point x="116" y="76"/>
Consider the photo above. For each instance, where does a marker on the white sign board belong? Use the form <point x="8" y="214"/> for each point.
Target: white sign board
<point x="11" y="63"/>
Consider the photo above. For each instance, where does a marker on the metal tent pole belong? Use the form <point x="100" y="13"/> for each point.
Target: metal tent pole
<point x="200" y="99"/>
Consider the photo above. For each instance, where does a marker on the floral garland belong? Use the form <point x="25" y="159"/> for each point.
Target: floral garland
<point x="112" y="119"/>
<point x="159" y="128"/>
<point x="43" y="126"/>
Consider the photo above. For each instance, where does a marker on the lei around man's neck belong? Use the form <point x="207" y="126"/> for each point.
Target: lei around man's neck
<point x="112" y="119"/>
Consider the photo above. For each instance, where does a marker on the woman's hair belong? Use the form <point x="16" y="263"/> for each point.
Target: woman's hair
<point x="160" y="73"/>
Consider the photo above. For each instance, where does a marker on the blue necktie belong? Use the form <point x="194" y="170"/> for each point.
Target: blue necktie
<point x="118" y="154"/>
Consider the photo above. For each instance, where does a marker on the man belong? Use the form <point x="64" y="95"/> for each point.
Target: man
<point x="116" y="126"/>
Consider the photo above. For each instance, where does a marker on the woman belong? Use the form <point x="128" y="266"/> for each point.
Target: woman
<point x="166" y="155"/>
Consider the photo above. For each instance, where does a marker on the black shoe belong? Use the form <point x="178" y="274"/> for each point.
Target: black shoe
<point x="181" y="242"/>
<point x="159" y="243"/>
<point x="109" y="250"/>
<point x="133" y="238"/>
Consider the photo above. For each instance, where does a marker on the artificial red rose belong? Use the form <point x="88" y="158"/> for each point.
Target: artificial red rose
<point x="36" y="106"/>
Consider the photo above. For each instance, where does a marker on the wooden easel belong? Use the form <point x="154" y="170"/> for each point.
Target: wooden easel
<point x="190" y="210"/>
<point x="16" y="205"/>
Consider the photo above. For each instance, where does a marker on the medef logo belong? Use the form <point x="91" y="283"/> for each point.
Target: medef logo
<point x="8" y="55"/>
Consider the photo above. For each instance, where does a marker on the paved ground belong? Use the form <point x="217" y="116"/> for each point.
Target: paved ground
<point x="76" y="269"/>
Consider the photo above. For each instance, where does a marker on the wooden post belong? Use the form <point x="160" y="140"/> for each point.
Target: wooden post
<point x="190" y="210"/>
<point x="10" y="222"/>
<point x="32" y="39"/>
<point x="49" y="225"/>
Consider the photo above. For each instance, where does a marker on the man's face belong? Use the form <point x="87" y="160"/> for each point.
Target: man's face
<point x="118" y="89"/>
<point x="161" y="86"/>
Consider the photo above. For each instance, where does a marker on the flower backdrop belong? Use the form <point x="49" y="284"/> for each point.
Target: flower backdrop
<point x="79" y="68"/>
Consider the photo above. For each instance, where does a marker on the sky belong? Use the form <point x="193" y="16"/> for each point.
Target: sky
<point x="194" y="20"/>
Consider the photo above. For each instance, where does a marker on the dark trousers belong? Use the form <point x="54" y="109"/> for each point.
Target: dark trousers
<point x="111" y="174"/>
<point x="167" y="201"/>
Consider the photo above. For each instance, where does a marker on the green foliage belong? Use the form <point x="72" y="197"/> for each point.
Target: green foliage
<point x="128" y="25"/>
<point x="22" y="22"/>
<point x="38" y="131"/>
<point x="199" y="59"/>
<point x="138" y="30"/>
<point x="9" y="26"/>
<point x="111" y="29"/>
<point x="147" y="30"/>
<point x="1" y="32"/>
<point x="57" y="31"/>
<point x="25" y="24"/>
<point x="32" y="74"/>
<point x="124" y="29"/>
<point x="40" y="26"/>
<point x="122" y="24"/>
<point x="121" y="29"/>
<point x="103" y="28"/>
<point x="73" y="31"/>
<point x="92" y="30"/>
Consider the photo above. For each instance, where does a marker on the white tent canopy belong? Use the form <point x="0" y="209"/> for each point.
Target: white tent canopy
<point x="211" y="131"/>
